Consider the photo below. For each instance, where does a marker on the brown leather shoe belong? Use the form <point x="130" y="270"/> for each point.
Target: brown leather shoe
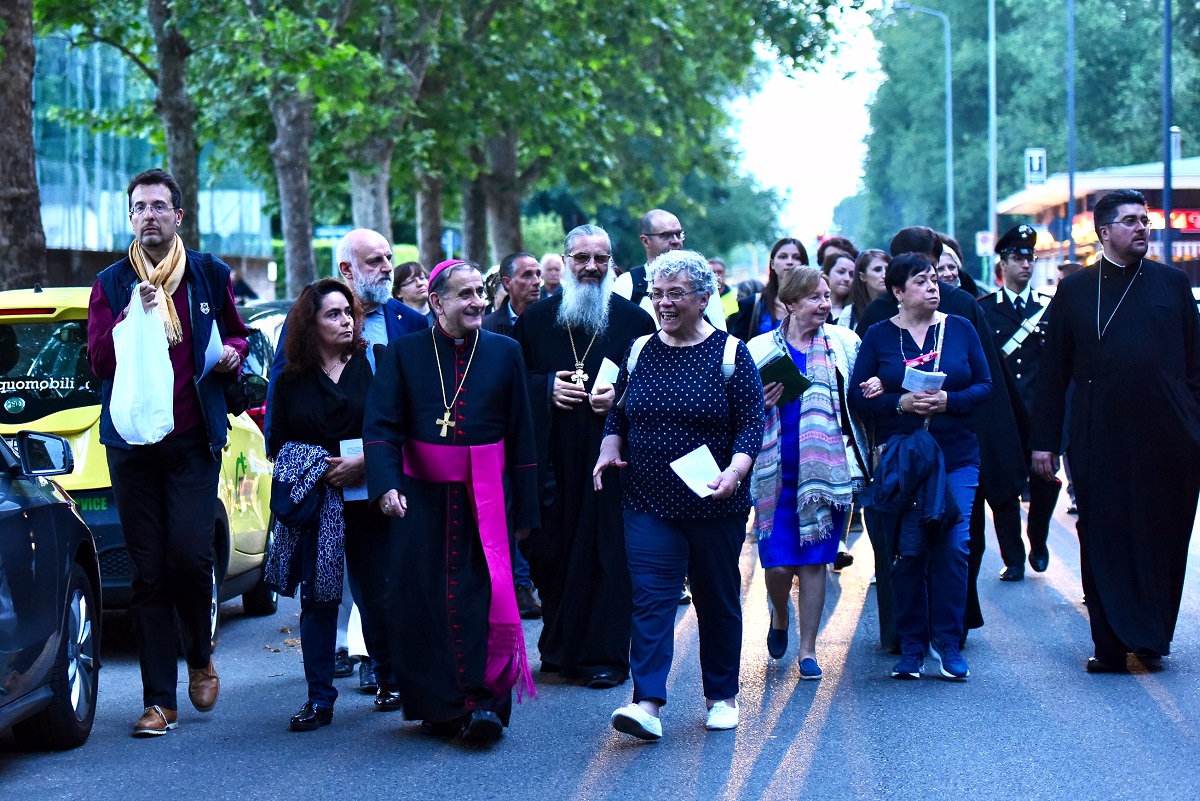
<point x="155" y="722"/>
<point x="203" y="686"/>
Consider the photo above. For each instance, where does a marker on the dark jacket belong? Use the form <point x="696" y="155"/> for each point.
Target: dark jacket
<point x="500" y="321"/>
<point x="909" y="485"/>
<point x="208" y="280"/>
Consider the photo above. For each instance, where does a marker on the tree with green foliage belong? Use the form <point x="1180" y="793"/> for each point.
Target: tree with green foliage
<point x="22" y="241"/>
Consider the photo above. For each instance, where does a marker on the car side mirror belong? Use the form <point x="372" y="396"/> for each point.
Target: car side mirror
<point x="44" y="454"/>
<point x="256" y="388"/>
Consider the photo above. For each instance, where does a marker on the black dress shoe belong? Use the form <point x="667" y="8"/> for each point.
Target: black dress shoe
<point x="442" y="728"/>
<point x="1095" y="665"/>
<point x="1039" y="559"/>
<point x="482" y="726"/>
<point x="311" y="718"/>
<point x="549" y="667"/>
<point x="343" y="665"/>
<point x="387" y="699"/>
<point x="367" y="681"/>
<point x="604" y="679"/>
<point x="1012" y="574"/>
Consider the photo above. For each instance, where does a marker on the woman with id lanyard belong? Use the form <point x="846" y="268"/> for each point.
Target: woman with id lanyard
<point x="918" y="377"/>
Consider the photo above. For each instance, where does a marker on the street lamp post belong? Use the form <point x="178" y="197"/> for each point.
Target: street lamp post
<point x="949" y="112"/>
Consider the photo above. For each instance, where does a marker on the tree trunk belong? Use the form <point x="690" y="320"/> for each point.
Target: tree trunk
<point x="369" y="201"/>
<point x="292" y="114"/>
<point x="22" y="241"/>
<point x="429" y="219"/>
<point x="178" y="114"/>
<point x="503" y="194"/>
<point x="475" y="228"/>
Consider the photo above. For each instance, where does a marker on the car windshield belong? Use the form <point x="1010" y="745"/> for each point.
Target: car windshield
<point x="44" y="369"/>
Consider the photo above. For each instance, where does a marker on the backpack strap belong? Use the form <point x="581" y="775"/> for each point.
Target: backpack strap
<point x="635" y="350"/>
<point x="729" y="359"/>
<point x="641" y="287"/>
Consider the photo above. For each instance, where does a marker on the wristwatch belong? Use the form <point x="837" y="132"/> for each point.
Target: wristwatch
<point x="900" y="405"/>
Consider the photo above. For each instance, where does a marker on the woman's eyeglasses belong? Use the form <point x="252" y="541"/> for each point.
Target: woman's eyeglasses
<point x="673" y="295"/>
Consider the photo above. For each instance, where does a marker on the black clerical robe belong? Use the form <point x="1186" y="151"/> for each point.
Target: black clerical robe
<point x="577" y="558"/>
<point x="1134" y="442"/>
<point x="441" y="601"/>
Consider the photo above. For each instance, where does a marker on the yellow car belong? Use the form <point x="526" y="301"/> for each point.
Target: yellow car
<point x="47" y="384"/>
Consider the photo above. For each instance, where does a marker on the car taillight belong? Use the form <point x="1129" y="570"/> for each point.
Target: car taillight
<point x="258" y="414"/>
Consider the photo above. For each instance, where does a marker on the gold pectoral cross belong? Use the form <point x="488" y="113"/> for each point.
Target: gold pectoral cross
<point x="580" y="378"/>
<point x="446" y="423"/>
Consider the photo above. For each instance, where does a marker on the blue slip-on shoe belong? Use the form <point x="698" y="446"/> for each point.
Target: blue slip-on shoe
<point x="777" y="642"/>
<point x="950" y="661"/>
<point x="909" y="667"/>
<point x="809" y="669"/>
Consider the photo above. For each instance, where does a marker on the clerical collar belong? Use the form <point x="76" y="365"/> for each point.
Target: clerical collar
<point x="1122" y="267"/>
<point x="458" y="341"/>
<point x="1025" y="295"/>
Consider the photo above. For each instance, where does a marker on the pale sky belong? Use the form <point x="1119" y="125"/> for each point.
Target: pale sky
<point x="803" y="134"/>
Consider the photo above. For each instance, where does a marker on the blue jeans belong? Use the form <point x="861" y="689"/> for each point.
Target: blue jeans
<point x="929" y="590"/>
<point x="661" y="553"/>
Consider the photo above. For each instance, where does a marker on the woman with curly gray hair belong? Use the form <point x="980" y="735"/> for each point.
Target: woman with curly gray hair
<point x="688" y="388"/>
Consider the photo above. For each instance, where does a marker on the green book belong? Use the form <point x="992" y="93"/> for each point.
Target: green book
<point x="782" y="370"/>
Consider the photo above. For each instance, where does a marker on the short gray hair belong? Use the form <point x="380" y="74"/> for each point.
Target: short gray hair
<point x="689" y="262"/>
<point x="585" y="230"/>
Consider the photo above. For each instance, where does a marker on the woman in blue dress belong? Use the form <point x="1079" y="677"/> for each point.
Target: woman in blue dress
<point x="812" y="462"/>
<point x="761" y="313"/>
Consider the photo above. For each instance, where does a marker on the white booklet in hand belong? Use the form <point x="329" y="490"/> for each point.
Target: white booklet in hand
<point x="606" y="376"/>
<point x="920" y="381"/>
<point x="697" y="469"/>
<point x="353" y="447"/>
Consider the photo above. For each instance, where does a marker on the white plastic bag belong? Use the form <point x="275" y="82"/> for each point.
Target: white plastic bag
<point x="142" y="403"/>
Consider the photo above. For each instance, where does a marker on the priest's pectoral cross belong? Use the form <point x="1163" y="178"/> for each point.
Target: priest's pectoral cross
<point x="446" y="423"/>
<point x="580" y="378"/>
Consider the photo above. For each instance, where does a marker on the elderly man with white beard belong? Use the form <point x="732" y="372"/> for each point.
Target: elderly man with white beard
<point x="578" y="556"/>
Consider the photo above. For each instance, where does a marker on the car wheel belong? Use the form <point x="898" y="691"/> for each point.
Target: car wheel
<point x="262" y="600"/>
<point x="67" y="721"/>
<point x="214" y="613"/>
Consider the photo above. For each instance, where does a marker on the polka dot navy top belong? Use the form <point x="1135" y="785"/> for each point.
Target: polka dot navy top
<point x="678" y="400"/>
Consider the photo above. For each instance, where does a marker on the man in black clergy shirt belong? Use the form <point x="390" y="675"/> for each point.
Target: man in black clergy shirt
<point x="447" y="423"/>
<point x="578" y="555"/>
<point x="1127" y="333"/>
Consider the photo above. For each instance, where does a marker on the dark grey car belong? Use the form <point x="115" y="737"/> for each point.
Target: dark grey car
<point x="49" y="600"/>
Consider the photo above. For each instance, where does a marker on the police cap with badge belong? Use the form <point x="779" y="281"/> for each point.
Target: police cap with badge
<point x="1018" y="241"/>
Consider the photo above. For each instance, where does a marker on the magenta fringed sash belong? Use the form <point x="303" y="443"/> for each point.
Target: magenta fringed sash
<point x="481" y="468"/>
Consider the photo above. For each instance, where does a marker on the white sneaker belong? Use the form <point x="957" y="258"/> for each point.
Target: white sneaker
<point x="721" y="716"/>
<point x="632" y="719"/>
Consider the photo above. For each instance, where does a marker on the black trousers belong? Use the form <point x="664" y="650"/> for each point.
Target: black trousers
<point x="1043" y="497"/>
<point x="369" y="564"/>
<point x="166" y="497"/>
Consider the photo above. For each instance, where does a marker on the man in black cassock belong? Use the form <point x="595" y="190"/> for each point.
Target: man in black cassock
<point x="1127" y="333"/>
<point x="447" y="424"/>
<point x="1003" y="469"/>
<point x="578" y="555"/>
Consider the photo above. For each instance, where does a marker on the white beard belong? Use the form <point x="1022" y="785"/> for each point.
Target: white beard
<point x="585" y="305"/>
<point x="372" y="294"/>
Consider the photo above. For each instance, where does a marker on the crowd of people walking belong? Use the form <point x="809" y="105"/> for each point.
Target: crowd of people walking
<point x="608" y="443"/>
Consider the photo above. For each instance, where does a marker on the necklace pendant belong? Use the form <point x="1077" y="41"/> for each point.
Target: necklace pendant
<point x="580" y="378"/>
<point x="446" y="423"/>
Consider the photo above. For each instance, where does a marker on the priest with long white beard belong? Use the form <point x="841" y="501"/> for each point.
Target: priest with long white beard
<point x="578" y="556"/>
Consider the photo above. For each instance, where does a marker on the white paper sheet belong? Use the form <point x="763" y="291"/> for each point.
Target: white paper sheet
<point x="697" y="469"/>
<point x="212" y="353"/>
<point x="606" y="376"/>
<point x="353" y="447"/>
<point x="920" y="381"/>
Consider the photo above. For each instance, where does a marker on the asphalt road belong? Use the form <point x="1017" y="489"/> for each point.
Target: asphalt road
<point x="1030" y="723"/>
